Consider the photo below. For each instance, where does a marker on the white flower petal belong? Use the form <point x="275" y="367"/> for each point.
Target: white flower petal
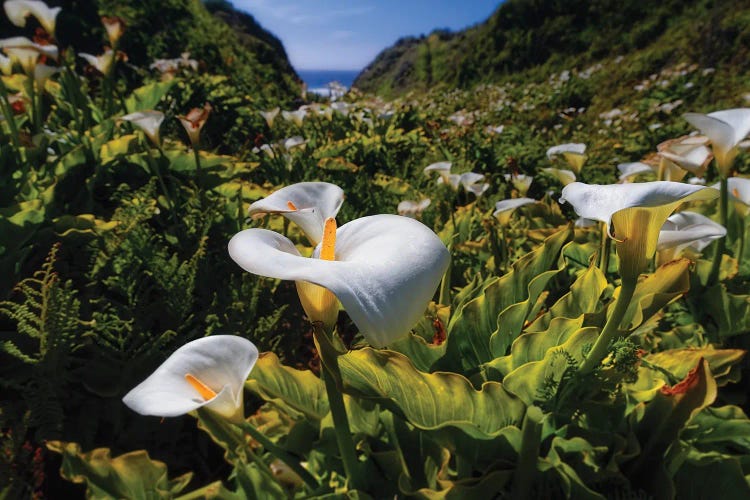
<point x="148" y="121"/>
<point x="18" y="10"/>
<point x="386" y="270"/>
<point x="629" y="170"/>
<point x="221" y="362"/>
<point x="738" y="188"/>
<point x="692" y="229"/>
<point x="563" y="175"/>
<point x="576" y="148"/>
<point x="599" y="202"/>
<point x="511" y="204"/>
<point x="442" y="167"/>
<point x="314" y="202"/>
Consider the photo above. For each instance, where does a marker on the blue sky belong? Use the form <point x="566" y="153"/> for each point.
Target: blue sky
<point x="348" y="34"/>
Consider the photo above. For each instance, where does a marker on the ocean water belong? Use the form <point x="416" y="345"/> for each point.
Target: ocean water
<point x="317" y="80"/>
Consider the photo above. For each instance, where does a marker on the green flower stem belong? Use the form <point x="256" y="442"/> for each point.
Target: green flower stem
<point x="611" y="329"/>
<point x="331" y="375"/>
<point x="198" y="171"/>
<point x="604" y="250"/>
<point x="280" y="453"/>
<point x="523" y="476"/>
<point x="157" y="173"/>
<point x="721" y="245"/>
<point x="7" y="111"/>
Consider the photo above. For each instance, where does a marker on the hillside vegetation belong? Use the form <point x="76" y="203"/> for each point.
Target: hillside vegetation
<point x="524" y="38"/>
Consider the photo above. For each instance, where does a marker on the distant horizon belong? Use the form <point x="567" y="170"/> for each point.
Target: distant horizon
<point x="347" y="35"/>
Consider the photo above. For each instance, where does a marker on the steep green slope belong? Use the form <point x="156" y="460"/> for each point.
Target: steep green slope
<point x="224" y="41"/>
<point x="552" y="35"/>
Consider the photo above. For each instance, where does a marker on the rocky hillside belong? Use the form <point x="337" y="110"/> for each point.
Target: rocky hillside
<point x="545" y="36"/>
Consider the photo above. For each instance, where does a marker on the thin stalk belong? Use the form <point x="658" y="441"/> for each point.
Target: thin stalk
<point x="157" y="172"/>
<point x="721" y="245"/>
<point x="280" y="453"/>
<point x="611" y="329"/>
<point x="198" y="172"/>
<point x="604" y="250"/>
<point x="331" y="375"/>
<point x="523" y="476"/>
<point x="11" y="121"/>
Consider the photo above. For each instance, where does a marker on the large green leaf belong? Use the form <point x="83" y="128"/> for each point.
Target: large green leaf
<point x="530" y="380"/>
<point x="711" y="475"/>
<point x="533" y="346"/>
<point x="654" y="291"/>
<point x="730" y="312"/>
<point x="669" y="367"/>
<point x="147" y="97"/>
<point x="429" y="401"/>
<point x="131" y="475"/>
<point x="582" y="298"/>
<point x="473" y="324"/>
<point x="299" y="393"/>
<point x="660" y="424"/>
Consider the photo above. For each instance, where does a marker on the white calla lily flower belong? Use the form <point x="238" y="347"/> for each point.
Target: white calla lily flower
<point x="726" y="129"/>
<point x="297" y="117"/>
<point x="42" y="73"/>
<point x="628" y="171"/>
<point x="521" y="182"/>
<point x="307" y="204"/>
<point x="208" y="372"/>
<point x="102" y="63"/>
<point x="739" y="191"/>
<point x="563" y="175"/>
<point x="270" y="115"/>
<point x="413" y="209"/>
<point x="505" y="208"/>
<point x="634" y="214"/>
<point x="443" y="168"/>
<point x="574" y="154"/>
<point x="18" y="10"/>
<point x="687" y="153"/>
<point x="26" y="53"/>
<point x="148" y="121"/>
<point x="688" y="229"/>
<point x="468" y="179"/>
<point x="478" y="189"/>
<point x="384" y="269"/>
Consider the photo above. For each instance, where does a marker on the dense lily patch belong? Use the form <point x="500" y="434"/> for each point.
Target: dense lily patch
<point x="525" y="327"/>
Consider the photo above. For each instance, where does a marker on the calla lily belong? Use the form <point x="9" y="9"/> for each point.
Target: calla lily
<point x="270" y="115"/>
<point x="293" y="142"/>
<point x="572" y="152"/>
<point x="102" y="63"/>
<point x="688" y="153"/>
<point x="726" y="129"/>
<point x="384" y="269"/>
<point x="688" y="229"/>
<point x="469" y="179"/>
<point x="26" y="53"/>
<point x="115" y="27"/>
<point x="307" y="204"/>
<point x="563" y="175"/>
<point x="18" y="10"/>
<point x="295" y="116"/>
<point x="521" y="182"/>
<point x="193" y="122"/>
<point x="148" y="121"/>
<point x="505" y="208"/>
<point x="208" y="372"/>
<point x="477" y="188"/>
<point x="42" y="73"/>
<point x="628" y="171"/>
<point x="634" y="214"/>
<point x="340" y="107"/>
<point x="443" y="168"/>
<point x="739" y="192"/>
<point x="413" y="209"/>
<point x="495" y="130"/>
